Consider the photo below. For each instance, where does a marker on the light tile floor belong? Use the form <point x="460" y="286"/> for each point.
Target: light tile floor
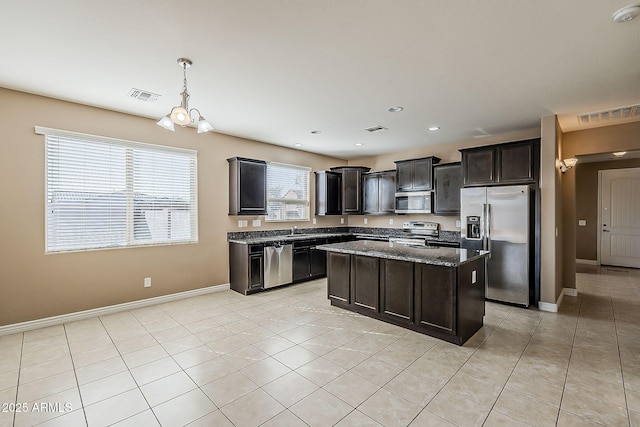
<point x="287" y="358"/>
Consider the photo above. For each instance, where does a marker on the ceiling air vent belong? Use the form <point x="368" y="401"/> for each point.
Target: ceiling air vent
<point x="373" y="129"/>
<point x="143" y="95"/>
<point x="613" y="114"/>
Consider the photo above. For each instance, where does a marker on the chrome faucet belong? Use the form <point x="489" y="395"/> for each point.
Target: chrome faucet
<point x="293" y="229"/>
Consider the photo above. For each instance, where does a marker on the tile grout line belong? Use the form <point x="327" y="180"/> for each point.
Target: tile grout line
<point x="75" y="374"/>
<point x="13" y="421"/>
<point x="573" y="341"/>
<point x="615" y="326"/>
<point x="513" y="369"/>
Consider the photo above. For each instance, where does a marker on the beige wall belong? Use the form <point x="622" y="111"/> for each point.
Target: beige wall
<point x="586" y="202"/>
<point x="599" y="140"/>
<point x="35" y="285"/>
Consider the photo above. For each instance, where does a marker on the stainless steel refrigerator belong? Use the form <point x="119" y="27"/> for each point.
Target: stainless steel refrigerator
<point x="498" y="219"/>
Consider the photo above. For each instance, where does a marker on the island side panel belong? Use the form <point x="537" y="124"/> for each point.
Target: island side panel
<point x="471" y="298"/>
<point x="435" y="295"/>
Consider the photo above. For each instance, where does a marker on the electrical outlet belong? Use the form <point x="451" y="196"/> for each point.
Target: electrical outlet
<point x="390" y="221"/>
<point x="458" y="223"/>
<point x="256" y="223"/>
<point x="366" y="221"/>
<point x="147" y="282"/>
<point x="582" y="222"/>
<point x="314" y="221"/>
<point x="341" y="220"/>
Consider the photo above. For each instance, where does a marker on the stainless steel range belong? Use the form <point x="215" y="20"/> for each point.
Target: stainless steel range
<point x="417" y="233"/>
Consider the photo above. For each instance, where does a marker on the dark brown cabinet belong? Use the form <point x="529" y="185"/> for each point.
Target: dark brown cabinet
<point x="510" y="163"/>
<point x="516" y="162"/>
<point x="247" y="186"/>
<point x="396" y="289"/>
<point x="300" y="263"/>
<point x="351" y="188"/>
<point x="379" y="192"/>
<point x="365" y="282"/>
<point x="246" y="266"/>
<point x="328" y="193"/>
<point x="308" y="262"/>
<point x="339" y="277"/>
<point x="415" y="174"/>
<point x="447" y="180"/>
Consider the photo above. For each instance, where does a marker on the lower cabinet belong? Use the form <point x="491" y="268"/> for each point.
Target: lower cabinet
<point x="300" y="264"/>
<point x="317" y="262"/>
<point x="396" y="289"/>
<point x="339" y="277"/>
<point x="365" y="283"/>
<point x="308" y="262"/>
<point x="246" y="267"/>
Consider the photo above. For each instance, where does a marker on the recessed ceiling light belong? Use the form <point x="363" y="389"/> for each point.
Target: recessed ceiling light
<point x="619" y="153"/>
<point x="626" y="14"/>
<point x="358" y="144"/>
<point x="434" y="128"/>
<point x="297" y="144"/>
<point x="315" y="132"/>
<point x="395" y="109"/>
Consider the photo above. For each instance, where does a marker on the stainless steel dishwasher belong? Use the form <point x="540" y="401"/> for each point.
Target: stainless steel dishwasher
<point x="278" y="264"/>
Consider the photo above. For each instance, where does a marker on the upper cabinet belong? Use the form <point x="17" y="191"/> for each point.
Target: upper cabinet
<point x="447" y="181"/>
<point x="415" y="174"/>
<point x="328" y="193"/>
<point x="351" y="188"/>
<point x="511" y="163"/>
<point x="379" y="192"/>
<point x="247" y="186"/>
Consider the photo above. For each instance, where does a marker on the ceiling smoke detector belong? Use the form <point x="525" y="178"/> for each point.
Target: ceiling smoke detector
<point x="626" y="14"/>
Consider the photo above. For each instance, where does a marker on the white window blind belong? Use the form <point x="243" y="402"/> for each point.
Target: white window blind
<point x="107" y="193"/>
<point x="287" y="192"/>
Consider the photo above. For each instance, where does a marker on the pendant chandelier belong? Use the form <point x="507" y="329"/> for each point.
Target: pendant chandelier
<point x="181" y="114"/>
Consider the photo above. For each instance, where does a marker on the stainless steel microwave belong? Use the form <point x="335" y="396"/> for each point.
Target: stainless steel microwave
<point x="413" y="202"/>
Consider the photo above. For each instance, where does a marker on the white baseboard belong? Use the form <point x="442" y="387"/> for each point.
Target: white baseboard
<point x="101" y="311"/>
<point x="553" y="308"/>
<point x="587" y="261"/>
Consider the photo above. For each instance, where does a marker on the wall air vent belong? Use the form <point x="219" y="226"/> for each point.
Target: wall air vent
<point x="143" y="95"/>
<point x="613" y="114"/>
<point x="373" y="129"/>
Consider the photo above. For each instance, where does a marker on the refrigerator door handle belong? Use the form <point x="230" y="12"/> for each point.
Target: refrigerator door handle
<point x="487" y="216"/>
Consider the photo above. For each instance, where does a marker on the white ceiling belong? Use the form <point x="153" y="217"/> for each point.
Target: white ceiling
<point x="274" y="70"/>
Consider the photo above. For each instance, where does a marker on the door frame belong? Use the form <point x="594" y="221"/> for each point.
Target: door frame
<point x="599" y="234"/>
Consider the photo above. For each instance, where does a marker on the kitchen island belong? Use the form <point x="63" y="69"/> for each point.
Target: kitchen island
<point x="436" y="291"/>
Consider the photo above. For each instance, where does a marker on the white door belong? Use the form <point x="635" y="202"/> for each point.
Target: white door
<point x="620" y="217"/>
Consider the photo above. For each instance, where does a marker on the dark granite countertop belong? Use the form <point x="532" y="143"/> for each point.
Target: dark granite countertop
<point x="267" y="236"/>
<point x="447" y="257"/>
<point x="285" y="237"/>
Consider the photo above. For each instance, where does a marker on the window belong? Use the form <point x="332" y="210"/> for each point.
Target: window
<point x="110" y="193"/>
<point x="287" y="192"/>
